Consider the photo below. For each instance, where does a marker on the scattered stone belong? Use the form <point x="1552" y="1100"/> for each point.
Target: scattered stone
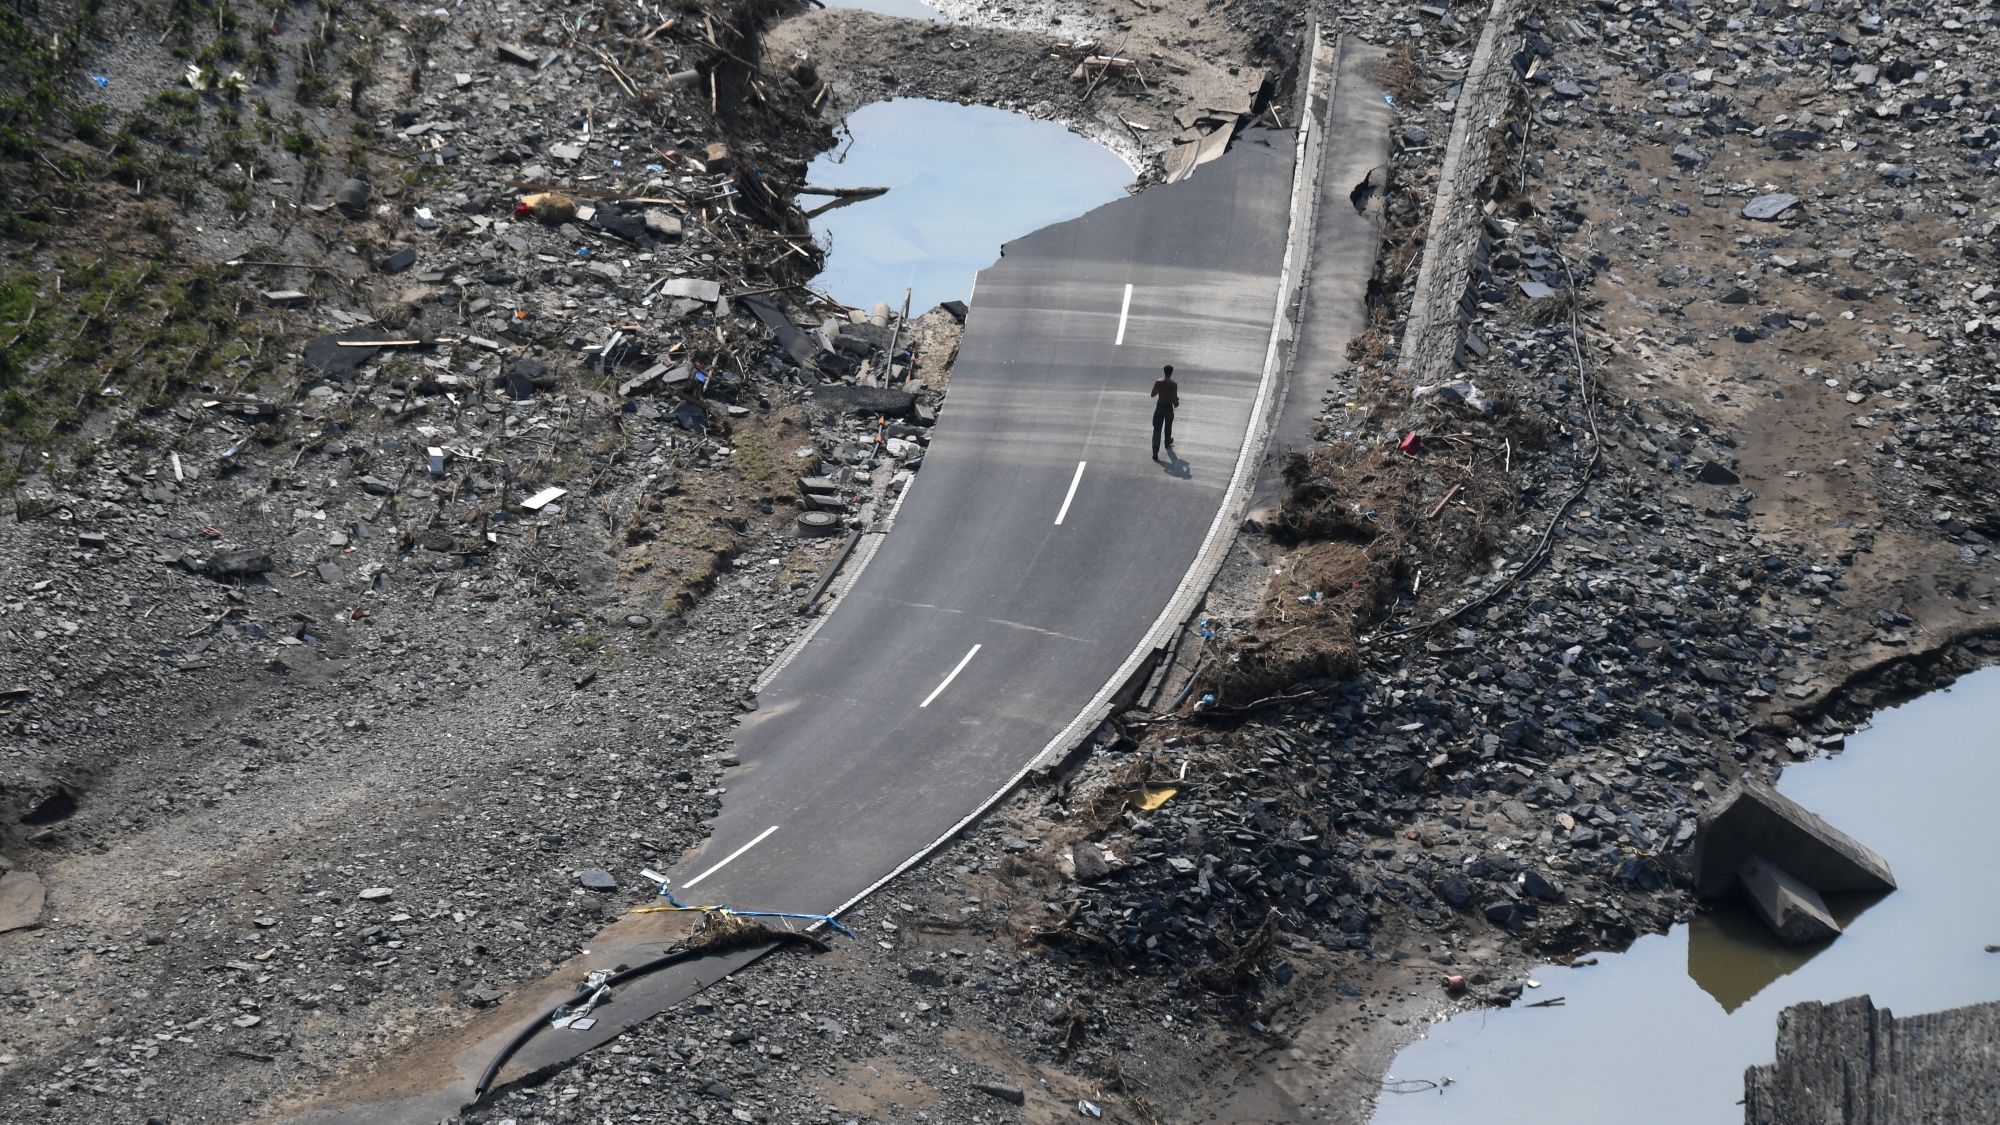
<point x="1770" y="206"/>
<point x="376" y="894"/>
<point x="660" y="224"/>
<point x="1005" y="1091"/>
<point x="248" y="562"/>
<point x="21" y="898"/>
<point x="596" y="879"/>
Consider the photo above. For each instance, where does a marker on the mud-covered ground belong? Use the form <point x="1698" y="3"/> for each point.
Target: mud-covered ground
<point x="290" y="823"/>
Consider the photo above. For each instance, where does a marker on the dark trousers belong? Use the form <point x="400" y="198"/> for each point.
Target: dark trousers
<point x="1163" y="422"/>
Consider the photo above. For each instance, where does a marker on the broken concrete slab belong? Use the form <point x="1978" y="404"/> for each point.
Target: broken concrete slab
<point x="660" y="224"/>
<point x="1752" y="819"/>
<point x="643" y="381"/>
<point x="797" y="344"/>
<point x="1794" y="911"/>
<point x="1770" y="206"/>
<point x="21" y="899"/>
<point x="1715" y="472"/>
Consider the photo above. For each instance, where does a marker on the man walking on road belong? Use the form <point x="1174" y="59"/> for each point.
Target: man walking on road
<point x="1167" y="394"/>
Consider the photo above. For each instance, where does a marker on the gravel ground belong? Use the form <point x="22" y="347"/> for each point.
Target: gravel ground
<point x="295" y="821"/>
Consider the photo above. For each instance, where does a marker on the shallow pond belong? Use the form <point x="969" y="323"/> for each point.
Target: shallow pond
<point x="1663" y="1032"/>
<point x="963" y="181"/>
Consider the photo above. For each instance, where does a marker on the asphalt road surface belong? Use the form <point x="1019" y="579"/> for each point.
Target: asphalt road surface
<point x="1036" y="547"/>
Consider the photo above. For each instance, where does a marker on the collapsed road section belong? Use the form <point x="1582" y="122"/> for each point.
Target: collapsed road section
<point x="1039" y="558"/>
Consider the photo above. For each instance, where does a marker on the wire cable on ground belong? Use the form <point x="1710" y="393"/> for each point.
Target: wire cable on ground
<point x="1535" y="557"/>
<point x="1541" y="552"/>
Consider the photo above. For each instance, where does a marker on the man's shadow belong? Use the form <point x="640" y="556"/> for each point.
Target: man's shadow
<point x="1173" y="466"/>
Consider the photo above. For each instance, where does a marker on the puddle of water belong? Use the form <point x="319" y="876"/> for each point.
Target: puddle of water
<point x="1663" y="1032"/>
<point x="904" y="9"/>
<point x="963" y="180"/>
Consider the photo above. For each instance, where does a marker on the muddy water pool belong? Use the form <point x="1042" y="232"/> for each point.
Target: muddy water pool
<point x="962" y="180"/>
<point x="1663" y="1032"/>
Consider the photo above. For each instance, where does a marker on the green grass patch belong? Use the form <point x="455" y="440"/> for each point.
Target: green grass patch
<point x="153" y="332"/>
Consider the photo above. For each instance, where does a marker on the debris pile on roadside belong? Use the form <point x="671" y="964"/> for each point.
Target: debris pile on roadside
<point x="1524" y="623"/>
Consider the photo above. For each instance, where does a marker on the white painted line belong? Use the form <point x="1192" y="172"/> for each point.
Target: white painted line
<point x="939" y="690"/>
<point x="731" y="856"/>
<point x="1208" y="561"/>
<point x="1123" y="310"/>
<point x="1073" y="482"/>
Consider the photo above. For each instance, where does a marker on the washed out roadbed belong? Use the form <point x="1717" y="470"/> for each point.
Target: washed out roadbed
<point x="319" y="741"/>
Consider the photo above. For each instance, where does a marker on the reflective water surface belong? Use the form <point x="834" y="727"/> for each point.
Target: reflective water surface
<point x="1662" y="1033"/>
<point x="962" y="181"/>
<point x="906" y="9"/>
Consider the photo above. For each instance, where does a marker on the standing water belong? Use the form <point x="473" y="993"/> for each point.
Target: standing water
<point x="963" y="180"/>
<point x="904" y="9"/>
<point x="1662" y="1033"/>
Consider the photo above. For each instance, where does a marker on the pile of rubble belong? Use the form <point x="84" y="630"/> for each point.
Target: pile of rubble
<point x="1594" y="607"/>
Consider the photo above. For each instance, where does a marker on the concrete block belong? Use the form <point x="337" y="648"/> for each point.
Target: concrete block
<point x="1752" y="819"/>
<point x="1858" y="1064"/>
<point x="1794" y="911"/>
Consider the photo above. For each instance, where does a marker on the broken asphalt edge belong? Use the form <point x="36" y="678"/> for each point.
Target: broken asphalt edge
<point x="1306" y="177"/>
<point x="852" y="562"/>
<point x="1221" y="533"/>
